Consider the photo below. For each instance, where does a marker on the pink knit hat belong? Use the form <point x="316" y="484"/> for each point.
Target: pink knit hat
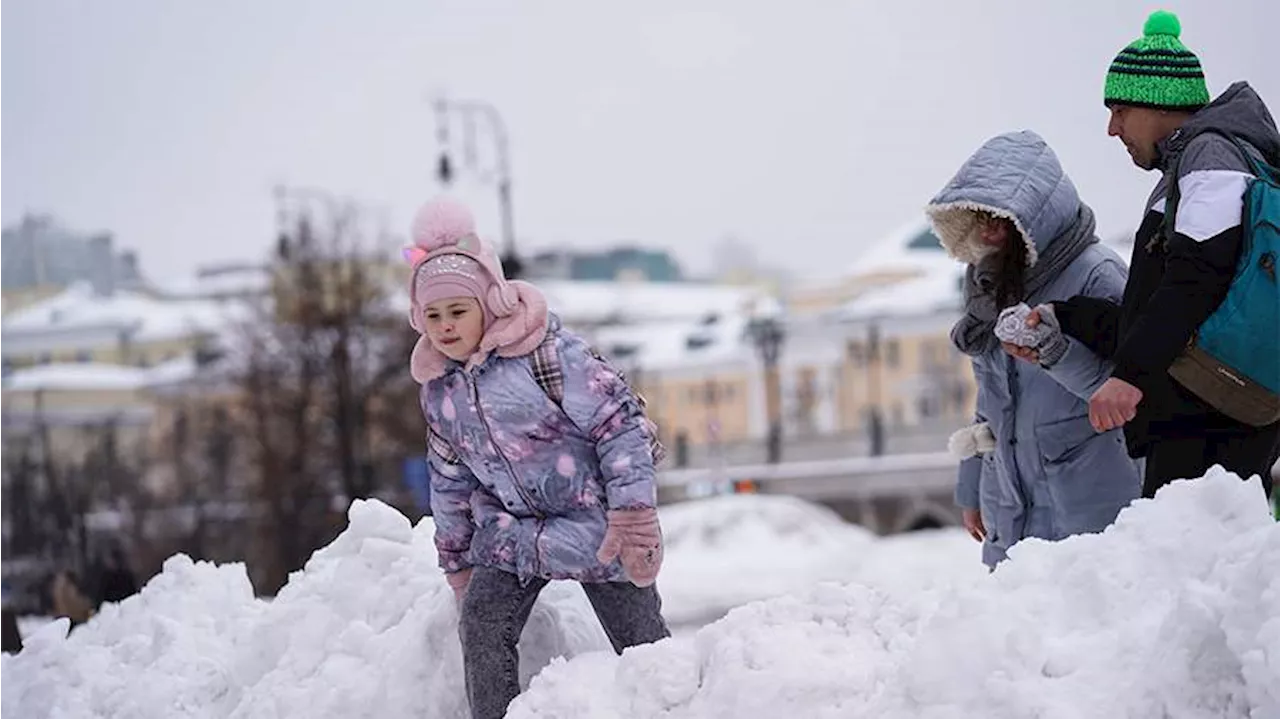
<point x="450" y="260"/>
<point x="446" y="276"/>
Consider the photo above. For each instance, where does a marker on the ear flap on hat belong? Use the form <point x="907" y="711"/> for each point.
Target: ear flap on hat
<point x="502" y="299"/>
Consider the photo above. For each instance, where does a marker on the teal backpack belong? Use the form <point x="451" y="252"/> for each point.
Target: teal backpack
<point x="1233" y="359"/>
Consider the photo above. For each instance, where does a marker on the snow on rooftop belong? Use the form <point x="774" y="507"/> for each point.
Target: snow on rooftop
<point x="910" y="248"/>
<point x="230" y="282"/>
<point x="593" y="302"/>
<point x="146" y="318"/>
<point x="88" y="376"/>
<point x="669" y="345"/>
<point x="936" y="290"/>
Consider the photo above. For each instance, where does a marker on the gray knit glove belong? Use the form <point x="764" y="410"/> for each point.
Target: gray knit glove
<point x="1045" y="338"/>
<point x="1054" y="345"/>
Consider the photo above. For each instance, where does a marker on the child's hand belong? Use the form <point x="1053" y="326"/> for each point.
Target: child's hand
<point x="458" y="581"/>
<point x="634" y="535"/>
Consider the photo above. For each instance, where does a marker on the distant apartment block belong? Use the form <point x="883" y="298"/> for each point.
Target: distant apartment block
<point x="40" y="254"/>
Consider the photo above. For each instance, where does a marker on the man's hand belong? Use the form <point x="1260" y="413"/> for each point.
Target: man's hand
<point x="973" y="524"/>
<point x="1019" y="352"/>
<point x="1114" y="404"/>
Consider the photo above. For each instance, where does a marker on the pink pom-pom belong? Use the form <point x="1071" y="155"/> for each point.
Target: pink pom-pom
<point x="442" y="222"/>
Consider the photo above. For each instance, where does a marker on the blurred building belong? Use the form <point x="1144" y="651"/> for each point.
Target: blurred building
<point x="40" y="257"/>
<point x="620" y="263"/>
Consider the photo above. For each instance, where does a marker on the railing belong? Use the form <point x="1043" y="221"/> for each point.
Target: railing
<point x="850" y="477"/>
<point x="891" y="475"/>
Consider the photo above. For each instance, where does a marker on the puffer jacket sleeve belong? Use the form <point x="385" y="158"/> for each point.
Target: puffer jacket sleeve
<point x="452" y="484"/>
<point x="1080" y="370"/>
<point x="599" y="402"/>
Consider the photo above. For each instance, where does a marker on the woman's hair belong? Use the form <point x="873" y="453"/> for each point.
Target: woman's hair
<point x="1012" y="261"/>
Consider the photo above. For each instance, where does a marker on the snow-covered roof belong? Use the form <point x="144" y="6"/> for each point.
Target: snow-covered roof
<point x="910" y="248"/>
<point x="78" y="309"/>
<point x="656" y="346"/>
<point x="231" y="282"/>
<point x="596" y="302"/>
<point x="937" y="290"/>
<point x="89" y="376"/>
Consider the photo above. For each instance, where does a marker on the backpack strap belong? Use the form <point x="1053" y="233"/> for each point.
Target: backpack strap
<point x="547" y="371"/>
<point x="1174" y="194"/>
<point x="549" y="374"/>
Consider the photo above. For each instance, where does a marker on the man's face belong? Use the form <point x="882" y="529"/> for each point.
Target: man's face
<point x="1139" y="128"/>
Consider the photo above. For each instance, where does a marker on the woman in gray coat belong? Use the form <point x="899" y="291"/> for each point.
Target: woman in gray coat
<point x="1032" y="464"/>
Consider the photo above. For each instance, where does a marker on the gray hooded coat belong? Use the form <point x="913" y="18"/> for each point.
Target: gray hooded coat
<point x="1050" y="475"/>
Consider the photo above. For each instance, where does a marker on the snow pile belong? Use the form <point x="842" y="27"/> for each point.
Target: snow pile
<point x="1172" y="612"/>
<point x="367" y="629"/>
<point x="730" y="550"/>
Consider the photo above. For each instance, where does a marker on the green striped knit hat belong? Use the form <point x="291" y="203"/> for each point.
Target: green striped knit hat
<point x="1157" y="70"/>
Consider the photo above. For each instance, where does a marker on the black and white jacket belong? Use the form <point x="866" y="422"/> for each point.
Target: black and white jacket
<point x="1176" y="282"/>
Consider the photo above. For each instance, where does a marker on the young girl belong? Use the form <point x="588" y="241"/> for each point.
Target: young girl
<point x="524" y="488"/>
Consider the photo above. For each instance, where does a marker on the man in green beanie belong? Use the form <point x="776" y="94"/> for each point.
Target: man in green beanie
<point x="1161" y="111"/>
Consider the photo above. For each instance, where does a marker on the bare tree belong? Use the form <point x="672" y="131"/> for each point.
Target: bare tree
<point x="305" y="404"/>
<point x="323" y="360"/>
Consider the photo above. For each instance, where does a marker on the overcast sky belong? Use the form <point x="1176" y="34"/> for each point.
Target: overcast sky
<point x="806" y="128"/>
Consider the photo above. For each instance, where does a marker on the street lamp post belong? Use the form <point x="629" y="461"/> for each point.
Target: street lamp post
<point x="875" y="418"/>
<point x="768" y="334"/>
<point x="468" y="111"/>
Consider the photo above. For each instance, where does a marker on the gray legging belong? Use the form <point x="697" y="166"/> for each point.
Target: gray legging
<point x="495" y="609"/>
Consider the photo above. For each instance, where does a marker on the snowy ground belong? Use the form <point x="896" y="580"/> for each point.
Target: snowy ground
<point x="1174" y="612"/>
<point x="727" y="551"/>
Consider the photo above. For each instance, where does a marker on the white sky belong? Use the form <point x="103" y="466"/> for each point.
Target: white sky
<point x="806" y="129"/>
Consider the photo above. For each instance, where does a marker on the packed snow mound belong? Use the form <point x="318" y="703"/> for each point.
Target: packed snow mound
<point x="727" y="551"/>
<point x="1172" y="612"/>
<point x="367" y="629"/>
<point x="736" y="519"/>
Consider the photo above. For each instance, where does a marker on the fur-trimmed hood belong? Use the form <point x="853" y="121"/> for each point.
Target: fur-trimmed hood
<point x="1014" y="175"/>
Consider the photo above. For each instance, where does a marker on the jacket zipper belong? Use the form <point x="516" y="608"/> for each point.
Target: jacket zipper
<point x="515" y="480"/>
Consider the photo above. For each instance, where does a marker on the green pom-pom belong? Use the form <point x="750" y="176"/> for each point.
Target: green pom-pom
<point x="1162" y="22"/>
